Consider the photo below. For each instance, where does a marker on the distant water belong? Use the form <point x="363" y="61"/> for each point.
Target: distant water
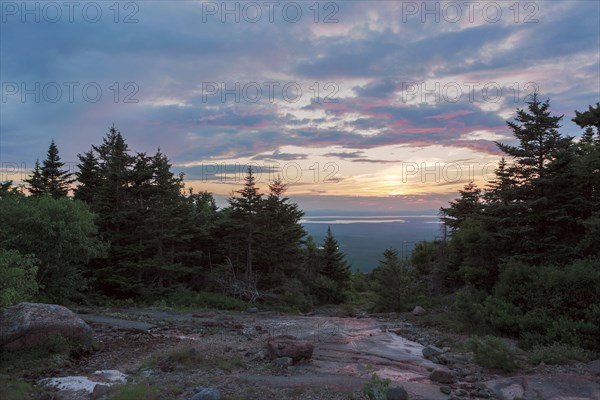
<point x="363" y="238"/>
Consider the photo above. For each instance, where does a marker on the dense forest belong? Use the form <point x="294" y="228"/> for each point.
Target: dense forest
<point x="521" y="258"/>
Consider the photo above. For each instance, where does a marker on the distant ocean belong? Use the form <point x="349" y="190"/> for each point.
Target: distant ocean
<point x="363" y="238"/>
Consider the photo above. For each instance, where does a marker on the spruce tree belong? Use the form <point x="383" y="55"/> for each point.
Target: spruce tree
<point x="57" y="180"/>
<point x="50" y="178"/>
<point x="280" y="236"/>
<point x="36" y="182"/>
<point x="539" y="140"/>
<point x="88" y="178"/>
<point x="334" y="266"/>
<point x="244" y="220"/>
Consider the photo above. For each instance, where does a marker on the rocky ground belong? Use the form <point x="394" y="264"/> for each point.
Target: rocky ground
<point x="179" y="355"/>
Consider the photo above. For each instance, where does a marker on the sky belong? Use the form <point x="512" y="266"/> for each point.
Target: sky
<point x="358" y="105"/>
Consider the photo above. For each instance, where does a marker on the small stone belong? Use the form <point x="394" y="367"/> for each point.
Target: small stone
<point x="397" y="393"/>
<point x="418" y="311"/>
<point x="441" y="376"/>
<point x="283" y="362"/>
<point x="470" y="378"/>
<point x="148" y="373"/>
<point x="252" y="310"/>
<point x="446" y="389"/>
<point x="100" y="392"/>
<point x="203" y="393"/>
<point x="461" y="392"/>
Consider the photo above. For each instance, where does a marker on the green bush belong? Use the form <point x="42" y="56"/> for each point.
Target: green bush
<point x="469" y="309"/>
<point x="186" y="298"/>
<point x="17" y="277"/>
<point x="293" y="295"/>
<point x="559" y="353"/>
<point x="492" y="352"/>
<point x="376" y="388"/>
<point x="60" y="233"/>
<point x="132" y="391"/>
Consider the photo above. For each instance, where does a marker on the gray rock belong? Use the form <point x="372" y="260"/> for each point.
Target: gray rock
<point x="431" y="351"/>
<point x="203" y="393"/>
<point x="283" y="362"/>
<point x="100" y="392"/>
<point x="441" y="376"/>
<point x="470" y="378"/>
<point x="148" y="373"/>
<point x="29" y="324"/>
<point x="446" y="389"/>
<point x="397" y="393"/>
<point x="252" y="310"/>
<point x="418" y="311"/>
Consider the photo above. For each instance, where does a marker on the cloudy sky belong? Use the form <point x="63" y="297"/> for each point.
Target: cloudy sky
<point x="380" y="105"/>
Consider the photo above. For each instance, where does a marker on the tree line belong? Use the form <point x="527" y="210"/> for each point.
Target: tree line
<point x="523" y="253"/>
<point x="131" y="230"/>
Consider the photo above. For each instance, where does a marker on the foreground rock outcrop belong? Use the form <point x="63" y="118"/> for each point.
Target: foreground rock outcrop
<point x="289" y="346"/>
<point x="29" y="324"/>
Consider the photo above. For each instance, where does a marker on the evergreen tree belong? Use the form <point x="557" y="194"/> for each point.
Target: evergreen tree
<point x="539" y="139"/>
<point x="164" y="222"/>
<point x="88" y="178"/>
<point x="334" y="267"/>
<point x="397" y="287"/>
<point x="281" y="234"/>
<point x="50" y="178"/>
<point x="468" y="205"/>
<point x="244" y="221"/>
<point x="56" y="179"/>
<point x="36" y="182"/>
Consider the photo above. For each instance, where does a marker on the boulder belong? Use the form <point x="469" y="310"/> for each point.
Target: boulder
<point x="418" y="311"/>
<point x="206" y="393"/>
<point x="441" y="376"/>
<point x="29" y="324"/>
<point x="289" y="346"/>
<point x="430" y="352"/>
<point x="397" y="393"/>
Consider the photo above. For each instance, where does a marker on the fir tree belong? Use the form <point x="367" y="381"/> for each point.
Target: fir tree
<point x="88" y="178"/>
<point x="244" y="218"/>
<point x="281" y="234"/>
<point x="36" y="182"/>
<point x="334" y="266"/>
<point x="50" y="178"/>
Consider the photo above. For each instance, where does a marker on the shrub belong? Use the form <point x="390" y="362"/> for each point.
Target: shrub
<point x="492" y="352"/>
<point x="17" y="277"/>
<point x="186" y="298"/>
<point x="376" y="388"/>
<point x="130" y="391"/>
<point x="559" y="353"/>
